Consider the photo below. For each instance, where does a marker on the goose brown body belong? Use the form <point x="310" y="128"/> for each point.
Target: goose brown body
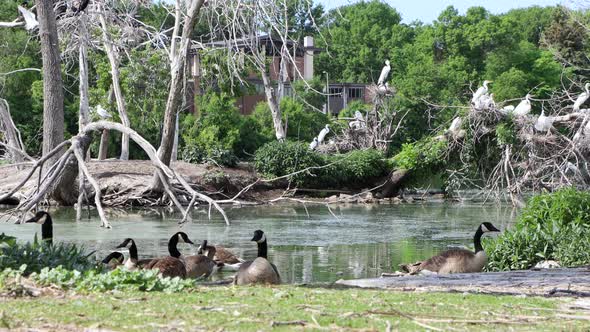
<point x="456" y="260"/>
<point x="260" y="270"/>
<point x="201" y="266"/>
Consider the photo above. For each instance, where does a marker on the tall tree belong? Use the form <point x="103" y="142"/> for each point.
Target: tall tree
<point x="53" y="93"/>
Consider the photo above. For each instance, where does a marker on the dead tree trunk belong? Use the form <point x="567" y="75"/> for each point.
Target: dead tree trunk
<point x="114" y="62"/>
<point x="175" y="97"/>
<point x="53" y="94"/>
<point x="14" y="146"/>
<point x="273" y="105"/>
<point x="84" y="112"/>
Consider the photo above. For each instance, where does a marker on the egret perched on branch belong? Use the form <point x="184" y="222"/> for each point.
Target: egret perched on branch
<point x="524" y="107"/>
<point x="543" y="123"/>
<point x="323" y="134"/>
<point x="455" y="125"/>
<point x="104" y="114"/>
<point x="480" y="92"/>
<point x="358" y="122"/>
<point x="582" y="98"/>
<point x="30" y="20"/>
<point x="384" y="74"/>
<point x="313" y="144"/>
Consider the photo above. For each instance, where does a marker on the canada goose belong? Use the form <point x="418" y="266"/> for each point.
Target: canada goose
<point x="197" y="266"/>
<point x="44" y="219"/>
<point x="222" y="254"/>
<point x="133" y="262"/>
<point x="171" y="266"/>
<point x="456" y="260"/>
<point x="259" y="270"/>
<point x="113" y="260"/>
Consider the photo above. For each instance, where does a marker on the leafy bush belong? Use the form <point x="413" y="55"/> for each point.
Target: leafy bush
<point x="118" y="279"/>
<point x="353" y="169"/>
<point x="553" y="226"/>
<point x="281" y="158"/>
<point x="219" y="133"/>
<point x="38" y="255"/>
<point x="303" y="123"/>
<point x="426" y="154"/>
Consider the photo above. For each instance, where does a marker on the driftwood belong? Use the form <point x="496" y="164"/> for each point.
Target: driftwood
<point x="544" y="282"/>
<point x="76" y="150"/>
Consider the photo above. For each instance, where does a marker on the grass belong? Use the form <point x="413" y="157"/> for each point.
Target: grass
<point x="256" y="308"/>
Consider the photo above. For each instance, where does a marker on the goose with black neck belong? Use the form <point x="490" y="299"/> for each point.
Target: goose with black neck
<point x="44" y="219"/>
<point x="456" y="260"/>
<point x="260" y="270"/>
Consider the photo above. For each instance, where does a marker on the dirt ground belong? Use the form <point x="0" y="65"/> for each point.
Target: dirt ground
<point x="128" y="181"/>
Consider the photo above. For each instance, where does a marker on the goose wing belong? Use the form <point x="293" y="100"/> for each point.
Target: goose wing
<point x="259" y="270"/>
<point x="225" y="256"/>
<point x="198" y="266"/>
<point x="168" y="266"/>
<point x="446" y="259"/>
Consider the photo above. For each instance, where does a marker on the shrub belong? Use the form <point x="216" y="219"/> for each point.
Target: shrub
<point x="552" y="226"/>
<point x="425" y="154"/>
<point x="303" y="124"/>
<point x="281" y="158"/>
<point x="355" y="168"/>
<point x="38" y="255"/>
<point x="220" y="133"/>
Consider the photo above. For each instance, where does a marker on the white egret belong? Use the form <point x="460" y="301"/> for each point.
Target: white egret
<point x="480" y="92"/>
<point x="543" y="123"/>
<point x="582" y="98"/>
<point x="524" y="107"/>
<point x="313" y="144"/>
<point x="102" y="112"/>
<point x="354" y="124"/>
<point x="323" y="134"/>
<point x="30" y="20"/>
<point x="384" y="73"/>
<point x="455" y="125"/>
<point x="507" y="109"/>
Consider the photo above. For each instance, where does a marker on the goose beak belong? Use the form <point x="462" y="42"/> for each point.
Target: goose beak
<point x="494" y="229"/>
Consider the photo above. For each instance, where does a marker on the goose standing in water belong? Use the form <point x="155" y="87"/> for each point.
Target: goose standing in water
<point x="260" y="270"/>
<point x="456" y="260"/>
<point x="44" y="219"/>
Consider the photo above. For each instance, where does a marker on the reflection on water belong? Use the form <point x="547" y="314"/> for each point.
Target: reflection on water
<point x="363" y="241"/>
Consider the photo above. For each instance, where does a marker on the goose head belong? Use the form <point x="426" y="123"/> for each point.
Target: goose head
<point x="259" y="236"/>
<point x="127" y="243"/>
<point x="182" y="238"/>
<point x="113" y="258"/>
<point x="202" y="247"/>
<point x="40" y="218"/>
<point x="487" y="227"/>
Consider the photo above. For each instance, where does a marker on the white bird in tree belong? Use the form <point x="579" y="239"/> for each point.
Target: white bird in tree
<point x="507" y="109"/>
<point x="313" y="144"/>
<point x="544" y="123"/>
<point x="358" y="122"/>
<point x="323" y="134"/>
<point x="524" y="107"/>
<point x="480" y="92"/>
<point x="384" y="74"/>
<point x="582" y="98"/>
<point x="455" y="125"/>
<point x="30" y="20"/>
<point x="104" y="114"/>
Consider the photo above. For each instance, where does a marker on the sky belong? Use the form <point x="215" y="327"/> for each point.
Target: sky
<point x="428" y="10"/>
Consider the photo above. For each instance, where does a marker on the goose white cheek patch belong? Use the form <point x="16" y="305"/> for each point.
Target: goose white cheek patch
<point x="484" y="228"/>
<point x="262" y="239"/>
<point x="42" y="219"/>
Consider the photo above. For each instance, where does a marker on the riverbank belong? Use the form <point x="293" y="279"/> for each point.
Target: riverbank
<point x="126" y="183"/>
<point x="290" y="307"/>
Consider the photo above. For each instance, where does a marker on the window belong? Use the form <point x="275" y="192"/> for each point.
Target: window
<point x="355" y="93"/>
<point x="335" y="92"/>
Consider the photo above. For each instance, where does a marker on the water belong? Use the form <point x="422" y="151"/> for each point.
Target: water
<point x="362" y="241"/>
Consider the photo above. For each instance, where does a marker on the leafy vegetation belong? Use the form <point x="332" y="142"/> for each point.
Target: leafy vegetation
<point x="38" y="255"/>
<point x="553" y="226"/>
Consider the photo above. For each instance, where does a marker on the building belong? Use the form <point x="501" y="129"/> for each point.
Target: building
<point x="303" y="65"/>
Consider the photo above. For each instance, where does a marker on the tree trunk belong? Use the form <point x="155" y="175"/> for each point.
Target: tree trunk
<point x="84" y="112"/>
<point x="114" y="62"/>
<point x="103" y="149"/>
<point x="175" y="97"/>
<point x="53" y="94"/>
<point x="273" y="105"/>
<point x="14" y="145"/>
<point x="394" y="183"/>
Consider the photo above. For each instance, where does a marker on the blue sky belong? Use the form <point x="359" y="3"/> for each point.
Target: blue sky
<point x="428" y="10"/>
